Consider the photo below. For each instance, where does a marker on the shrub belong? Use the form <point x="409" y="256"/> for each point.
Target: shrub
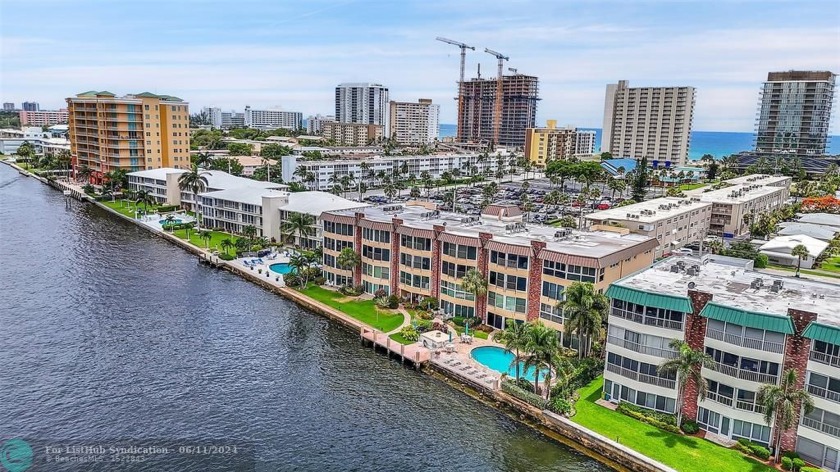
<point x="88" y="189"/>
<point x="797" y="463"/>
<point x="393" y="301"/>
<point x="523" y="384"/>
<point x="291" y="280"/>
<point x="561" y="405"/>
<point x="428" y="303"/>
<point x="659" y="420"/>
<point x="165" y="208"/>
<point x="458" y="320"/>
<point x="381" y="293"/>
<point x="787" y="463"/>
<point x="528" y="397"/>
<point x="227" y="257"/>
<point x="349" y="290"/>
<point x="760" y="261"/>
<point x="381" y="302"/>
<point x="424" y="315"/>
<point x="409" y="333"/>
<point x="760" y="451"/>
<point x="810" y="469"/>
<point x="690" y="427"/>
<point x="424" y="325"/>
<point x="320" y="280"/>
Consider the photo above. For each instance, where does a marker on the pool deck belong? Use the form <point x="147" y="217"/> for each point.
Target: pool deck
<point x="461" y="364"/>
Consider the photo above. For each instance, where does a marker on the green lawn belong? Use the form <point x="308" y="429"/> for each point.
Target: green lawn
<point x="831" y="264"/>
<point x="692" y="186"/>
<point x="473" y="332"/>
<point x="216" y="238"/>
<point x="832" y="272"/>
<point x="362" y="310"/>
<point x="125" y="207"/>
<point x="400" y="339"/>
<point x="684" y="453"/>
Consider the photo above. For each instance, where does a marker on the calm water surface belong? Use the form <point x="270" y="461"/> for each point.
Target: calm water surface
<point x="109" y="335"/>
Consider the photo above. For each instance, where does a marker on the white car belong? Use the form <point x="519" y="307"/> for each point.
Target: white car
<point x="684" y="251"/>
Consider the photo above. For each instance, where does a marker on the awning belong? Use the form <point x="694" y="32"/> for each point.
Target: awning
<point x="336" y="218"/>
<point x="380" y="225"/>
<point x="549" y="255"/>
<point x="461" y="240"/>
<point x="510" y="248"/>
<point x="822" y="332"/>
<point x="416" y="232"/>
<point x="657" y="300"/>
<point x="750" y="319"/>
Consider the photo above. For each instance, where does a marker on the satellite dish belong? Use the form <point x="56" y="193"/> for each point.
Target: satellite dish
<point x="691" y="285"/>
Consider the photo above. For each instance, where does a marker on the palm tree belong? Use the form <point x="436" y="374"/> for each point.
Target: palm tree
<point x="84" y="172"/>
<point x="799" y="251"/>
<point x="514" y="337"/>
<point x="543" y="350"/>
<point x="250" y="232"/>
<point x="584" y="310"/>
<point x="226" y="244"/>
<point x="616" y="185"/>
<point x="170" y="222"/>
<point x="301" y="225"/>
<point x="781" y="403"/>
<point x="206" y="236"/>
<point x="146" y="198"/>
<point x="195" y="181"/>
<point x="301" y="262"/>
<point x="686" y="367"/>
<point x="348" y="259"/>
<point x="202" y="159"/>
<point x="474" y="283"/>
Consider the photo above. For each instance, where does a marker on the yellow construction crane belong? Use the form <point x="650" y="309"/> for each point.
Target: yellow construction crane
<point x="464" y="48"/>
<point x="497" y="118"/>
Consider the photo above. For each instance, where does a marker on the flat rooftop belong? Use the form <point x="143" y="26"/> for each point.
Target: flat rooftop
<point x="730" y="284"/>
<point x="594" y="244"/>
<point x="651" y="210"/>
<point x="738" y="193"/>
<point x="761" y="179"/>
<point x="378" y="158"/>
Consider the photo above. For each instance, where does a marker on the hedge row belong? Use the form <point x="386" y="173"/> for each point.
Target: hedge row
<point x="528" y="397"/>
<point x="649" y="416"/>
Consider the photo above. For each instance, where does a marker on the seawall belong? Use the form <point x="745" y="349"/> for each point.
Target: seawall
<point x="549" y="424"/>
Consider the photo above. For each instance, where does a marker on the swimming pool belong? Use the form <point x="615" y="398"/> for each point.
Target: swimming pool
<point x="281" y="268"/>
<point x="176" y="221"/>
<point x="498" y="359"/>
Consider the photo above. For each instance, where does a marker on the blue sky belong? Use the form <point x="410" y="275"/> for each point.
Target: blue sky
<point x="291" y="54"/>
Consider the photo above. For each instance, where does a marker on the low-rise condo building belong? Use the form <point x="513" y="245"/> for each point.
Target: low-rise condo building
<point x="673" y="222"/>
<point x="754" y="327"/>
<point x="416" y="251"/>
<point x="163" y="184"/>
<point x="352" y="134"/>
<point x="733" y="208"/>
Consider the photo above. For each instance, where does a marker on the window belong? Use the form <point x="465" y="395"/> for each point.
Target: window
<point x="552" y="291"/>
<point x="338" y="228"/>
<point x="708" y="419"/>
<point x="457" y="310"/>
<point x="423" y="244"/>
<point x="514" y="304"/>
<point x="551" y="313"/>
<point x="414" y="280"/>
<point x="460" y="251"/>
<point x="376" y="272"/>
<point x="377" y="235"/>
<point x="454" y="270"/>
<point x="755" y="432"/>
<point x="509" y="260"/>
<point x="455" y="291"/>
<point x="376" y="253"/>
<point x="415" y="262"/>
<point x="509" y="282"/>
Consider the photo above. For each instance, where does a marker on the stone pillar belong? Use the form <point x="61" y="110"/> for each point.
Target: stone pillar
<point x="357" y="245"/>
<point x="395" y="257"/>
<point x="483" y="262"/>
<point x="434" y="280"/>
<point x="535" y="280"/>
<point x="797" y="350"/>
<point x="695" y="334"/>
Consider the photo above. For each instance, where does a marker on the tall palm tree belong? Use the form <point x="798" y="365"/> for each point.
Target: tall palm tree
<point x="514" y="337"/>
<point x="206" y="236"/>
<point x="250" y="233"/>
<point x="146" y="198"/>
<point x="170" y="222"/>
<point x="195" y="181"/>
<point x="781" y="403"/>
<point x="474" y="283"/>
<point x="799" y="251"/>
<point x="83" y="173"/>
<point x="543" y="350"/>
<point x="301" y="262"/>
<point x="202" y="159"/>
<point x="686" y="367"/>
<point x="348" y="259"/>
<point x="584" y="311"/>
<point x="226" y="244"/>
<point x="301" y="225"/>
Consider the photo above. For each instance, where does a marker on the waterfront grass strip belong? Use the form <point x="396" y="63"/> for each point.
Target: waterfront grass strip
<point x="401" y="339"/>
<point x="362" y="310"/>
<point x="125" y="207"/>
<point x="216" y="238"/>
<point x="684" y="453"/>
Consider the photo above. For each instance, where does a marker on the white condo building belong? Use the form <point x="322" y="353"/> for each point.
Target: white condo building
<point x="314" y="123"/>
<point x="414" y="123"/>
<point x="651" y="122"/>
<point x="364" y="103"/>
<point x="273" y="119"/>
<point x="584" y="142"/>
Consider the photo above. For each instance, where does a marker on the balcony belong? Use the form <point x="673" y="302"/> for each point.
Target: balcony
<point x="743" y="374"/>
<point x="644" y="378"/>
<point x="824" y="393"/>
<point x="716" y="397"/>
<point x="749" y="406"/>
<point x="757" y="344"/>
<point x="636" y="347"/>
<point x="824" y="358"/>
<point x="647" y="320"/>
<point x="819" y="426"/>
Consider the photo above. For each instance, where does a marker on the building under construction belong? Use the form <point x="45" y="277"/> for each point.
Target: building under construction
<point x="518" y="111"/>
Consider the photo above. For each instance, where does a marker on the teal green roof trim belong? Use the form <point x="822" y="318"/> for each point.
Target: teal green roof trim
<point x="658" y="300"/>
<point x="750" y="319"/>
<point x="824" y="333"/>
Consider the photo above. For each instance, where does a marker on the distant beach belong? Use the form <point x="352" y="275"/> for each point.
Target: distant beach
<point x="716" y="143"/>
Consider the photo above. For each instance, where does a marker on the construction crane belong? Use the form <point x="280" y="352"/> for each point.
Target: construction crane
<point x="497" y="118"/>
<point x="464" y="48"/>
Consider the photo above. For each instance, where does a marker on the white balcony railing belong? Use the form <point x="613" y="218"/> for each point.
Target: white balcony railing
<point x="767" y="346"/>
<point x="636" y="347"/>
<point x="646" y="320"/>
<point x="715" y="397"/>
<point x="648" y="379"/>
<point x="824" y="393"/>
<point x="819" y="426"/>
<point x="824" y="358"/>
<point x="744" y="374"/>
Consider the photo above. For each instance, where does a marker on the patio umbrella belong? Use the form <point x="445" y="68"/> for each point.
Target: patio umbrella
<point x="450" y="335"/>
<point x="466" y="329"/>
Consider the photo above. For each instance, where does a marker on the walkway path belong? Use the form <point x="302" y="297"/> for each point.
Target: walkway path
<point x="803" y="275"/>
<point x="406" y="321"/>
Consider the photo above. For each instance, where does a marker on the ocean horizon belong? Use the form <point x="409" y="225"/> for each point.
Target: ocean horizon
<point x="716" y="143"/>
